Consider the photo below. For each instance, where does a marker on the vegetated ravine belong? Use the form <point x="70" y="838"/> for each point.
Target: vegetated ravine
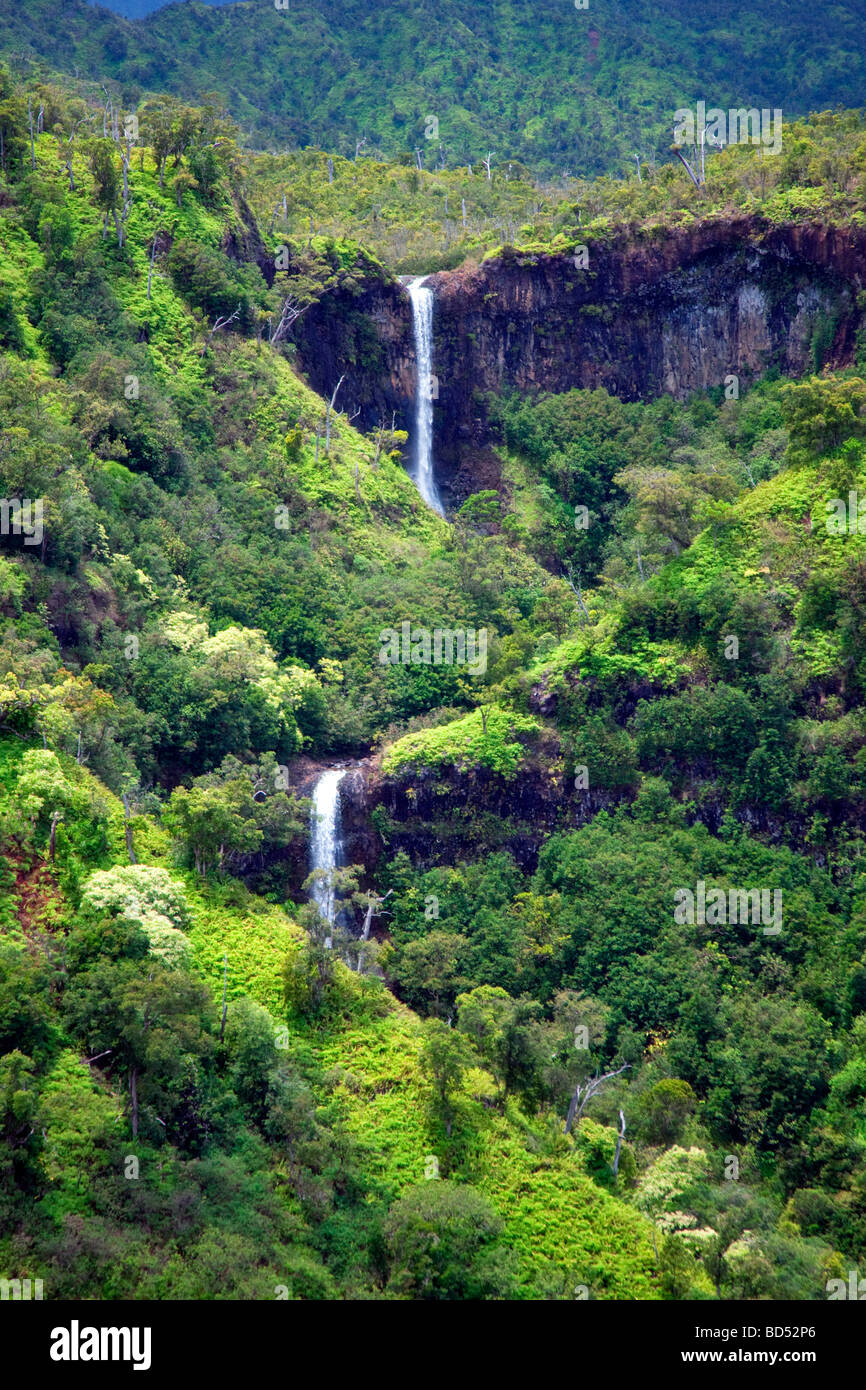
<point x="637" y="314"/>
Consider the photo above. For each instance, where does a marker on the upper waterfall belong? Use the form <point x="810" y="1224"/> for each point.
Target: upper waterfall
<point x="422" y="325"/>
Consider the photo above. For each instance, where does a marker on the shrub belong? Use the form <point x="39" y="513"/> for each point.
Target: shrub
<point x="665" y="1109"/>
<point x="138" y="892"/>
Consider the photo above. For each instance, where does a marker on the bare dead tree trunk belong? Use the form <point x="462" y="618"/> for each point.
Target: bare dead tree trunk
<point x="290" y="313"/>
<point x="365" y="935"/>
<point x="619" y="1139"/>
<point x="57" y="816"/>
<point x="577" y="590"/>
<point x="374" y="907"/>
<point x="584" y="1092"/>
<point x="328" y="415"/>
<point x="688" y="168"/>
<point x="220" y="323"/>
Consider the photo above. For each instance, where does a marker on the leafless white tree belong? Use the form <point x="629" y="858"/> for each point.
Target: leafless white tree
<point x="374" y="909"/>
<point x="577" y="590"/>
<point x="584" y="1092"/>
<point x="222" y="322"/>
<point x="328" y="415"/>
<point x="291" y="311"/>
<point x="619" y="1139"/>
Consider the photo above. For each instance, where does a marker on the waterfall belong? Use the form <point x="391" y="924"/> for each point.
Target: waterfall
<point x="326" y="846"/>
<point x="422" y="325"/>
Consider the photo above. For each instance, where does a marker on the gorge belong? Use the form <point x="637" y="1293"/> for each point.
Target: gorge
<point x="448" y="568"/>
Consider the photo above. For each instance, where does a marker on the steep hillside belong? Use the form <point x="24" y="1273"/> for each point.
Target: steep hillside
<point x="174" y="457"/>
<point x="557" y="988"/>
<point x="539" y="81"/>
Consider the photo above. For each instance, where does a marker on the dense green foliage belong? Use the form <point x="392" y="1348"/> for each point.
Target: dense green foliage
<point x="538" y="81"/>
<point x="673" y="695"/>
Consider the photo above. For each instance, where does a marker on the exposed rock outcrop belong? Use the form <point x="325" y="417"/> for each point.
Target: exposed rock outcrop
<point x="671" y="311"/>
<point x="363" y="334"/>
<point x="649" y="315"/>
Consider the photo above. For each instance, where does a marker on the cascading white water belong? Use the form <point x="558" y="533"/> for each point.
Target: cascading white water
<point x="422" y="324"/>
<point x="326" y="847"/>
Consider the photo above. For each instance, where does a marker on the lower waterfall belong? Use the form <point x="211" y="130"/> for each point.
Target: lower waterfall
<point x="326" y="845"/>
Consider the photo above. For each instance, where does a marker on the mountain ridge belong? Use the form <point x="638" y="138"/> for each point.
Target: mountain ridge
<point x="580" y="104"/>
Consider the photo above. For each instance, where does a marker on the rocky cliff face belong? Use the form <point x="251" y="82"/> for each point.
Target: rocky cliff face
<point x="644" y="318"/>
<point x="438" y="816"/>
<point x="649" y="314"/>
<point x="365" y="336"/>
<point x="445" y="817"/>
